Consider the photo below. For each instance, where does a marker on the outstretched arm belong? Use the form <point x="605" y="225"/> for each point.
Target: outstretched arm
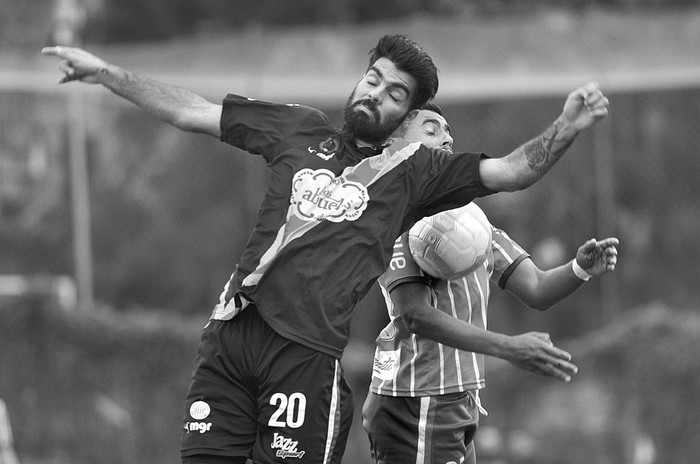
<point x="541" y="289"/>
<point x="531" y="161"/>
<point x="177" y="106"/>
<point x="531" y="351"/>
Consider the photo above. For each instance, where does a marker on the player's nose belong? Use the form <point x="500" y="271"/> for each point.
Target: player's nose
<point x="376" y="94"/>
<point x="447" y="142"/>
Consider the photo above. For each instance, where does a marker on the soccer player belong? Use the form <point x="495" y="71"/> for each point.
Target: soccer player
<point x="423" y="405"/>
<point x="268" y="382"/>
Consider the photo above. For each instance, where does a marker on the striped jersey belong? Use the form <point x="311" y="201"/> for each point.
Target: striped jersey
<point x="408" y="365"/>
<point x="330" y="216"/>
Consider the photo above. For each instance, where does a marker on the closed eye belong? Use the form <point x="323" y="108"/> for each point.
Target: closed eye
<point x="430" y="127"/>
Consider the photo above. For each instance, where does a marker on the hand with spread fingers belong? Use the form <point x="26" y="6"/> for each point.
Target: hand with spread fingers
<point x="174" y="105"/>
<point x="597" y="257"/>
<point x="535" y="352"/>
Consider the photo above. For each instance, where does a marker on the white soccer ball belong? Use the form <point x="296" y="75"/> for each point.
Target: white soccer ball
<point x="452" y="243"/>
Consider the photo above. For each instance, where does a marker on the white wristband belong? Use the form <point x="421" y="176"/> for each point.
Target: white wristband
<point x="579" y="271"/>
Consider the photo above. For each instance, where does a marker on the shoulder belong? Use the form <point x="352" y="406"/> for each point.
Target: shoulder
<point x="233" y="102"/>
<point x="402" y="267"/>
<point x="266" y="128"/>
<point x="507" y="255"/>
<point x="501" y="239"/>
<point x="416" y="154"/>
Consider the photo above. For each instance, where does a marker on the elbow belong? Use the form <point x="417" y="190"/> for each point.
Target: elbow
<point x="512" y="186"/>
<point x="183" y="122"/>
<point x="508" y="183"/>
<point x="540" y="306"/>
<point x="198" y="120"/>
<point x="413" y="321"/>
<point x="520" y="182"/>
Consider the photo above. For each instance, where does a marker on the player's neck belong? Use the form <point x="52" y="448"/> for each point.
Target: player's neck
<point x="359" y="143"/>
<point x="362" y="143"/>
<point x="376" y="147"/>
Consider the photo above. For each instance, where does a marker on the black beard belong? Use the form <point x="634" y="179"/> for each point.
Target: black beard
<point x="358" y="122"/>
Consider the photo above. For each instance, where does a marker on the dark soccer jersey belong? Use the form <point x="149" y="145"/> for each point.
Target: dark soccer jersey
<point x="331" y="213"/>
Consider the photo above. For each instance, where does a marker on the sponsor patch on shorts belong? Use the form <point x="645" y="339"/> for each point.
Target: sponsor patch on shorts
<point x="286" y="447"/>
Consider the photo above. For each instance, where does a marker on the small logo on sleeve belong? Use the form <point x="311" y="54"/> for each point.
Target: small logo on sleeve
<point x="199" y="410"/>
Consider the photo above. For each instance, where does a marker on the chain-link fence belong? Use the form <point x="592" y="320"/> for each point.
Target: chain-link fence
<point x="633" y="176"/>
<point x="170" y="212"/>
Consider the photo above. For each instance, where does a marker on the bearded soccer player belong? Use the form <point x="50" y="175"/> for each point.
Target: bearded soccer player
<point x="423" y="406"/>
<point x="268" y="383"/>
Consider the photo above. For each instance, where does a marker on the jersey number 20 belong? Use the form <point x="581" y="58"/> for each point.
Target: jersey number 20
<point x="293" y="408"/>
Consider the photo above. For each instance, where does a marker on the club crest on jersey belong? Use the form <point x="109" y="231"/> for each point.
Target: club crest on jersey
<point x="319" y="195"/>
<point x="326" y="149"/>
<point x="199" y="410"/>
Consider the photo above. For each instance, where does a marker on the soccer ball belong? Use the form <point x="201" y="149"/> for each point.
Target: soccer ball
<point x="452" y="243"/>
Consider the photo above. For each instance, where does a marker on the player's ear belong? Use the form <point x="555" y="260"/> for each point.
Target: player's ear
<point x="410" y="116"/>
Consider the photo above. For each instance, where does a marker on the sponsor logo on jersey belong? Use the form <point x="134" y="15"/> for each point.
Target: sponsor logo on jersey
<point x="286" y="447"/>
<point x="385" y="363"/>
<point x="320" y="195"/>
<point x="326" y="149"/>
<point x="199" y="410"/>
<point x="201" y="427"/>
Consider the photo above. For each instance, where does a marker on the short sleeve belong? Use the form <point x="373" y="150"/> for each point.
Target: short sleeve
<point x="450" y="180"/>
<point x="402" y="267"/>
<point x="267" y="129"/>
<point x="507" y="254"/>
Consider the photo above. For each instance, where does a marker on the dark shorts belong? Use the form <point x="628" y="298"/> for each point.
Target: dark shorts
<point x="419" y="430"/>
<point x="256" y="394"/>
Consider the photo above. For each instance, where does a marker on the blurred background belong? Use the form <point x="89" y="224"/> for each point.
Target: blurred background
<point x="118" y="232"/>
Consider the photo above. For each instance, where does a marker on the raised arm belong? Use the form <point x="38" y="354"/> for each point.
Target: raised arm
<point x="541" y="289"/>
<point x="531" y="161"/>
<point x="531" y="351"/>
<point x="177" y="106"/>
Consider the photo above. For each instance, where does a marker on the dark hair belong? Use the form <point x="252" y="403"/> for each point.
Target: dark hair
<point x="409" y="57"/>
<point x="434" y="107"/>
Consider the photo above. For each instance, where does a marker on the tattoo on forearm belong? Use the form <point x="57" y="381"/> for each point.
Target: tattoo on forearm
<point x="542" y="152"/>
<point x="536" y="155"/>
